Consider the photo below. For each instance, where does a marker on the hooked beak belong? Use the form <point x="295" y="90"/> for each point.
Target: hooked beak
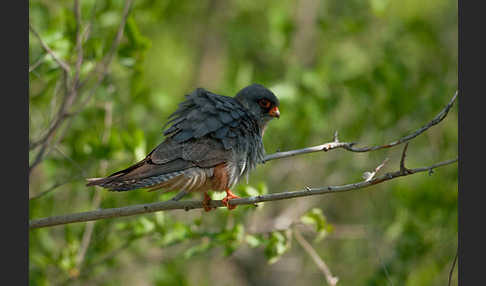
<point x="274" y="112"/>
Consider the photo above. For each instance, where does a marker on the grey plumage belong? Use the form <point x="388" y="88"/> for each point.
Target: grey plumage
<point x="206" y="130"/>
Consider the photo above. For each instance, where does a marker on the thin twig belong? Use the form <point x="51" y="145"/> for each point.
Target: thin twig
<point x="112" y="254"/>
<point x="452" y="268"/>
<point x="331" y="280"/>
<point x="102" y="67"/>
<point x="36" y="64"/>
<point x="196" y="204"/>
<point x="88" y="232"/>
<point x="368" y="176"/>
<point x="104" y="64"/>
<point x="79" y="48"/>
<point x="74" y="163"/>
<point x="38" y="158"/>
<point x="324" y="147"/>
<point x="53" y="187"/>
<point x="64" y="113"/>
<point x="45" y="150"/>
<point x="68" y="100"/>
<point x="404" y="169"/>
<point x="350" y="146"/>
<point x="73" y="90"/>
<point x="55" y="124"/>
<point x="60" y="62"/>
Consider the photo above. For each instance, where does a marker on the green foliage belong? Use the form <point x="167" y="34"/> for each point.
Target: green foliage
<point x="252" y="190"/>
<point x="232" y="238"/>
<point x="372" y="70"/>
<point x="316" y="218"/>
<point x="276" y="245"/>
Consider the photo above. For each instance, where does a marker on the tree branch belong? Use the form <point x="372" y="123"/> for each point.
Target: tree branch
<point x="79" y="49"/>
<point x="452" y="268"/>
<point x="72" y="93"/>
<point x="331" y="280"/>
<point x="37" y="63"/>
<point x="350" y="146"/>
<point x="60" y="62"/>
<point x="404" y="169"/>
<point x="102" y="67"/>
<point x="88" y="232"/>
<point x="105" y="62"/>
<point x="196" y="204"/>
<point x="368" y="176"/>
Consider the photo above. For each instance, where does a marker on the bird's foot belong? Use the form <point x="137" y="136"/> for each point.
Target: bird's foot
<point x="229" y="196"/>
<point x="206" y="202"/>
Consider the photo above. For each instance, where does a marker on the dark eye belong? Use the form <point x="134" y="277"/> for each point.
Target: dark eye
<point x="265" y="103"/>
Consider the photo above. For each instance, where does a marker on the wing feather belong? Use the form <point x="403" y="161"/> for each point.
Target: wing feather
<point x="204" y="113"/>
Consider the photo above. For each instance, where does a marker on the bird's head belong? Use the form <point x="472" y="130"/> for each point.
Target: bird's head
<point x="261" y="102"/>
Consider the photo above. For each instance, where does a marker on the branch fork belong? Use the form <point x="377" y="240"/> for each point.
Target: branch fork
<point x="368" y="176"/>
<point x="404" y="170"/>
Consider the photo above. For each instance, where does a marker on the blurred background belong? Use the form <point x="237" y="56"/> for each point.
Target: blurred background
<point x="373" y="70"/>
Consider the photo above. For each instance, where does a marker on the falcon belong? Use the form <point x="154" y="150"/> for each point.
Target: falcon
<point x="210" y="143"/>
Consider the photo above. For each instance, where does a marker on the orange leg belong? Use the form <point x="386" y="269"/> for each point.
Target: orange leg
<point x="206" y="202"/>
<point x="229" y="196"/>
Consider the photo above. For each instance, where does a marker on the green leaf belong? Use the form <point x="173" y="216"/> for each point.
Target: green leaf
<point x="277" y="245"/>
<point x="249" y="191"/>
<point x="135" y="37"/>
<point x="316" y="218"/>
<point x="160" y="218"/>
<point x="262" y="188"/>
<point x="143" y="226"/>
<point x="254" y="240"/>
<point x="232" y="238"/>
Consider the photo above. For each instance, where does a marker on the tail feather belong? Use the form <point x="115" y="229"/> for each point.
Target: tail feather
<point x="98" y="181"/>
<point x="141" y="175"/>
<point x="120" y="182"/>
<point x="109" y="182"/>
<point x="94" y="181"/>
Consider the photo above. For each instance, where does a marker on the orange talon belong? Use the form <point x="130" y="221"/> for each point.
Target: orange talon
<point x="206" y="202"/>
<point x="229" y="196"/>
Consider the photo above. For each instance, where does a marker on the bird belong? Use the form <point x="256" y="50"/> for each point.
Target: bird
<point x="211" y="141"/>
